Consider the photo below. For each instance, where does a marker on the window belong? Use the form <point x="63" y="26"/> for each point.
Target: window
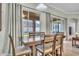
<point x="30" y="23"/>
<point x="37" y="26"/>
<point x="27" y="26"/>
<point x="57" y="25"/>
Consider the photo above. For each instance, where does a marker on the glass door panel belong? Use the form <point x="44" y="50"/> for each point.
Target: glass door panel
<point x="30" y="23"/>
<point x="57" y="26"/>
<point x="37" y="29"/>
<point x="37" y="26"/>
<point x="27" y="26"/>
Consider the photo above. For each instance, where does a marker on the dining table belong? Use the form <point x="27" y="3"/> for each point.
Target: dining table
<point x="33" y="44"/>
<point x="74" y="40"/>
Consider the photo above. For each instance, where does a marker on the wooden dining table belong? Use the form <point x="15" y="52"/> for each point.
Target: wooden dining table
<point x="32" y="44"/>
<point x="74" y="40"/>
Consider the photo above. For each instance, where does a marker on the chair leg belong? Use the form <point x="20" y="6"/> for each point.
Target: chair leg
<point x="27" y="54"/>
<point x="30" y="54"/>
<point x="36" y="52"/>
<point x="52" y="53"/>
<point x="43" y="54"/>
<point x="60" y="51"/>
<point x="56" y="52"/>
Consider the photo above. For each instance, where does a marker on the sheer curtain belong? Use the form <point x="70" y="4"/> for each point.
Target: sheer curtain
<point x="13" y="13"/>
<point x="7" y="28"/>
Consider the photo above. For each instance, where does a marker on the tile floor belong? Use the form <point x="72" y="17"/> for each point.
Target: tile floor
<point x="69" y="50"/>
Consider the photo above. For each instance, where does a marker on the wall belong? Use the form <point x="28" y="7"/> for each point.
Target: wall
<point x="76" y="18"/>
<point x="43" y="22"/>
<point x="4" y="19"/>
<point x="72" y="24"/>
<point x="78" y="25"/>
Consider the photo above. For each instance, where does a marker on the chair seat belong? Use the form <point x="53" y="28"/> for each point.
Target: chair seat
<point x="22" y="50"/>
<point x="47" y="48"/>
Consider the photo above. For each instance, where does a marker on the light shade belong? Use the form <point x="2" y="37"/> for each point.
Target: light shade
<point x="41" y="7"/>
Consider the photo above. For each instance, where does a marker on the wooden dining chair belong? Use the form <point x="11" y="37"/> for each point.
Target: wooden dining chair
<point x="36" y="37"/>
<point x="75" y="38"/>
<point x="20" y="50"/>
<point x="59" y="44"/>
<point x="47" y="46"/>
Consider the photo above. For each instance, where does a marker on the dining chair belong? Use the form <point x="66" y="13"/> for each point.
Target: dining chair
<point x="20" y="50"/>
<point x="59" y="44"/>
<point x="47" y="46"/>
<point x="74" y="41"/>
<point x="36" y="38"/>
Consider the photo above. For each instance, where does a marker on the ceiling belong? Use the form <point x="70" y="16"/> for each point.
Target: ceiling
<point x="65" y="7"/>
<point x="69" y="8"/>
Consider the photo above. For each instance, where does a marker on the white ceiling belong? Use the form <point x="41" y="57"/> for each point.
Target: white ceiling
<point x="70" y="8"/>
<point x="65" y="7"/>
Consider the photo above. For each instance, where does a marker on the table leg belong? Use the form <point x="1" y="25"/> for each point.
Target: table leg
<point x="77" y="45"/>
<point x="72" y="42"/>
<point x="33" y="50"/>
<point x="75" y="42"/>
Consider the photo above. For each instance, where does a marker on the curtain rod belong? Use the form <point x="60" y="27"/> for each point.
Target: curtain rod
<point x="42" y="11"/>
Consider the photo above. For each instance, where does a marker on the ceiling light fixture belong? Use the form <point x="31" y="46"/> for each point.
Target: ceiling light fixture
<point x="41" y="7"/>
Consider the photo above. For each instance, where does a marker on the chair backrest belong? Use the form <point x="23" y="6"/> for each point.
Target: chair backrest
<point x="33" y="35"/>
<point x="77" y="35"/>
<point x="59" y="38"/>
<point x="48" y="38"/>
<point x="48" y="42"/>
<point x="12" y="45"/>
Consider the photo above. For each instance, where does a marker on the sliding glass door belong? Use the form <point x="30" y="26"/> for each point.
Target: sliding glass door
<point x="57" y="25"/>
<point x="37" y="26"/>
<point x="27" y="20"/>
<point x="30" y="23"/>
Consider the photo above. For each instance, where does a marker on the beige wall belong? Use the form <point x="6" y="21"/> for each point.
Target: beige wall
<point x="4" y="19"/>
<point x="78" y="25"/>
<point x="43" y="22"/>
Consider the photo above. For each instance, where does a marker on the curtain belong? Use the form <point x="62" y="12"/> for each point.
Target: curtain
<point x="13" y="13"/>
<point x="7" y="28"/>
